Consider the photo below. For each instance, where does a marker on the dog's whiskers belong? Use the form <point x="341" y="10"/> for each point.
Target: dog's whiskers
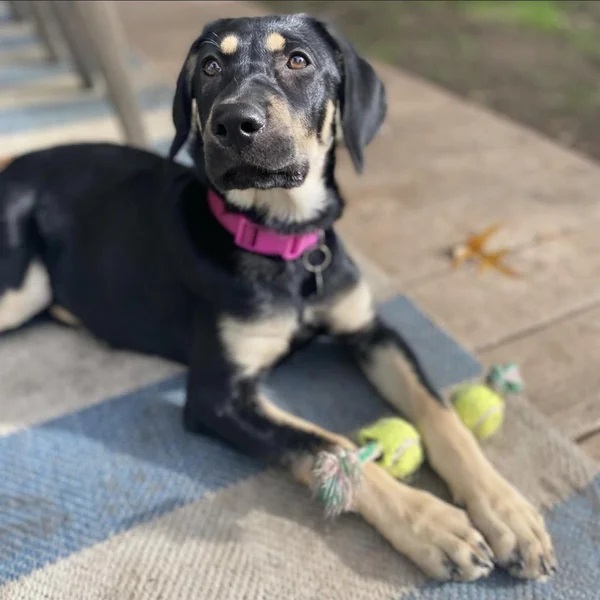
<point x="211" y="42"/>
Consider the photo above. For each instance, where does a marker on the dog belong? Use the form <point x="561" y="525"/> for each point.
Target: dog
<point x="230" y="265"/>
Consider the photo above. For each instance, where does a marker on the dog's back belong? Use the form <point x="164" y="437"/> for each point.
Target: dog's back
<point x="58" y="208"/>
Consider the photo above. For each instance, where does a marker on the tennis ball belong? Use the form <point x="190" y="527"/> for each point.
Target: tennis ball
<point x="479" y="408"/>
<point x="399" y="444"/>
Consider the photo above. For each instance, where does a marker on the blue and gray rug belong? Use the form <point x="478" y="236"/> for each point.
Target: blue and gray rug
<point x="111" y="499"/>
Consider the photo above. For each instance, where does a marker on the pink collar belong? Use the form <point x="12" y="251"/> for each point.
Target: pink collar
<point x="258" y="238"/>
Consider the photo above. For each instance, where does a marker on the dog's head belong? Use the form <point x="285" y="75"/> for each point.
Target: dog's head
<point x="264" y="97"/>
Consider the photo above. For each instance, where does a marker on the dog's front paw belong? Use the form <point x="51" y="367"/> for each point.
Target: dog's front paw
<point x="435" y="535"/>
<point x="446" y="546"/>
<point x="513" y="527"/>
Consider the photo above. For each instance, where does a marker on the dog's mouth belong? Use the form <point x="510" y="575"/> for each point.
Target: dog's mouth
<point x="248" y="176"/>
<point x="272" y="161"/>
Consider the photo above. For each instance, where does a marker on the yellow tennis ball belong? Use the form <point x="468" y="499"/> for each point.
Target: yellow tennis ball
<point x="480" y="408"/>
<point x="399" y="443"/>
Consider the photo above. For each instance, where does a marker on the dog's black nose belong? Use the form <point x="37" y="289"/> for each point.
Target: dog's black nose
<point x="237" y="123"/>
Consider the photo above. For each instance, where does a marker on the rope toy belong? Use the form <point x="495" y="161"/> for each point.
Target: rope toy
<point x="506" y="379"/>
<point x="481" y="407"/>
<point x="393" y="442"/>
<point x="399" y="444"/>
<point x="337" y="475"/>
<point x="396" y="445"/>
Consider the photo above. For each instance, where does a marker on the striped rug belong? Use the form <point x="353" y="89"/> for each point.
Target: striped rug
<point x="104" y="497"/>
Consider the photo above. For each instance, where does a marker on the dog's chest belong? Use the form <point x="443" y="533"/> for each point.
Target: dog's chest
<point x="312" y="316"/>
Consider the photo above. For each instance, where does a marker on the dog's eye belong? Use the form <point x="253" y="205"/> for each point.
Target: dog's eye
<point x="297" y="61"/>
<point x="211" y="67"/>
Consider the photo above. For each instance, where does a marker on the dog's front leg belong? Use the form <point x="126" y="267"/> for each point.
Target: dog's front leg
<point x="434" y="535"/>
<point x="512" y="526"/>
<point x="223" y="399"/>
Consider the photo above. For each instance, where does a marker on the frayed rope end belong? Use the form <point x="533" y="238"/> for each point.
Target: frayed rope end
<point x="337" y="475"/>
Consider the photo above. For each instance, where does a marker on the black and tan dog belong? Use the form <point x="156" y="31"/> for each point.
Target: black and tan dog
<point x="135" y="248"/>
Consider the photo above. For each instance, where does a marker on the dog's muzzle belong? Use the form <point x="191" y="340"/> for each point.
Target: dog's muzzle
<point x="245" y="149"/>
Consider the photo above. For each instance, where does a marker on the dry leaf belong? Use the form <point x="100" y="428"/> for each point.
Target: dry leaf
<point x="474" y="250"/>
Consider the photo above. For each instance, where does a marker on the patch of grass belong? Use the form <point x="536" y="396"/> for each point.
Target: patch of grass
<point x="586" y="41"/>
<point x="543" y="15"/>
<point x="582" y="98"/>
<point x="548" y="16"/>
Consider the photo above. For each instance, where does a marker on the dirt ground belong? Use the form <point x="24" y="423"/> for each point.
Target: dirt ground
<point x="536" y="61"/>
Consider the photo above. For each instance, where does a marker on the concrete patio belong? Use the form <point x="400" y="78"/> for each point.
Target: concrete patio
<point x="440" y="170"/>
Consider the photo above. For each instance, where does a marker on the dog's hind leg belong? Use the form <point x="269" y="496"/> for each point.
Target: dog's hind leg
<point x="33" y="295"/>
<point x="25" y="287"/>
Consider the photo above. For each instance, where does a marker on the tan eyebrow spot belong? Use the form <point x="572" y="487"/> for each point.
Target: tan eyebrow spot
<point x="229" y="44"/>
<point x="275" y="42"/>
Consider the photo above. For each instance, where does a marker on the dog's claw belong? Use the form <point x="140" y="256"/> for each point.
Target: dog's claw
<point x="547" y="566"/>
<point x="544" y="567"/>
<point x="456" y="573"/>
<point x="515" y="562"/>
<point x="453" y="570"/>
<point x="487" y="551"/>
<point x="479" y="562"/>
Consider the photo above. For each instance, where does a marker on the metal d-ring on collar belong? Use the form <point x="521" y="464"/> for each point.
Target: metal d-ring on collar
<point x="316" y="260"/>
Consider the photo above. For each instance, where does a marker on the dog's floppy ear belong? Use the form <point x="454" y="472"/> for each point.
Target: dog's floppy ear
<point x="182" y="101"/>
<point x="363" y="103"/>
